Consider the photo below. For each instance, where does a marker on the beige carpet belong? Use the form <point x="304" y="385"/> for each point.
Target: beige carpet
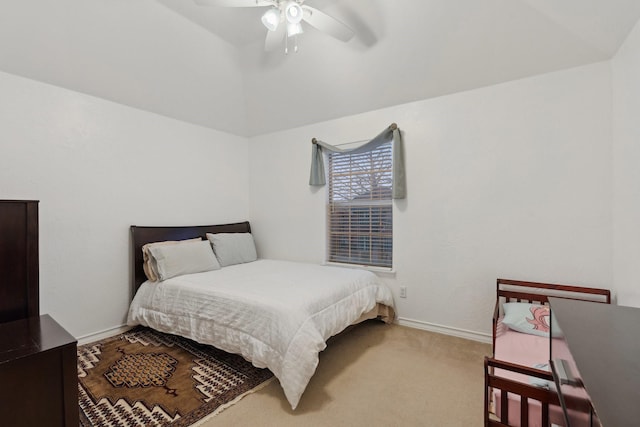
<point x="378" y="375"/>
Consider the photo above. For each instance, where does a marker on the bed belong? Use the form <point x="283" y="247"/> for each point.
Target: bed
<point x="276" y="314"/>
<point x="519" y="389"/>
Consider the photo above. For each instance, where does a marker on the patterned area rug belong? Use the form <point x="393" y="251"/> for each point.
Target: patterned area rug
<point x="146" y="378"/>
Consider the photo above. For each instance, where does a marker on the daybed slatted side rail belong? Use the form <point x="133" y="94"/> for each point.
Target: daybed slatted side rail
<point x="509" y="290"/>
<point x="526" y="393"/>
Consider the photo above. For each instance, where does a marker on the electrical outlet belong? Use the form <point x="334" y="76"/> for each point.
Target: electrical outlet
<point x="403" y="291"/>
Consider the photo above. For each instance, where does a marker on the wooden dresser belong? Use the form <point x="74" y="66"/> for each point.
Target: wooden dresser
<point x="19" y="262"/>
<point x="38" y="368"/>
<point x="38" y="373"/>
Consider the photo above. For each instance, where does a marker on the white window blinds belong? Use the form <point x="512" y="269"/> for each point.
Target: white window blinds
<point x="360" y="214"/>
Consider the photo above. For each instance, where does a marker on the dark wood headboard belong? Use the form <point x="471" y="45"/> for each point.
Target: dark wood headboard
<point x="140" y="236"/>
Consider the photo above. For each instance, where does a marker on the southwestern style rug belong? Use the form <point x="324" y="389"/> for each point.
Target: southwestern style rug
<point x="146" y="378"/>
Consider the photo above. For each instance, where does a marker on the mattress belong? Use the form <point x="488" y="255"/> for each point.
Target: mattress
<point x="277" y="314"/>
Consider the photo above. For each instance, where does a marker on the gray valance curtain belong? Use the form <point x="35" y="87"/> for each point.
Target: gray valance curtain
<point x="391" y="133"/>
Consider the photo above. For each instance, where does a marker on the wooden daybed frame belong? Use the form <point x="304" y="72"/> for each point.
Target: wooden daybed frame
<point x="508" y="290"/>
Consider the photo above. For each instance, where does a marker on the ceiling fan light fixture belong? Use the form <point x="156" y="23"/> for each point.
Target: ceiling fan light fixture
<point x="271" y="19"/>
<point x="293" y="29"/>
<point x="293" y="12"/>
<point x="283" y="20"/>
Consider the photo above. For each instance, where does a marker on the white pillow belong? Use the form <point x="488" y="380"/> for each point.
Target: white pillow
<point x="233" y="248"/>
<point x="185" y="258"/>
<point x="149" y="263"/>
<point x="530" y="319"/>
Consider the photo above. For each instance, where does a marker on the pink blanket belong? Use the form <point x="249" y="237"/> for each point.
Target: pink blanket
<point x="531" y="350"/>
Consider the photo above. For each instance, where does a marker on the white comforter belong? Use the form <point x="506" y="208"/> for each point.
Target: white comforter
<point x="277" y="314"/>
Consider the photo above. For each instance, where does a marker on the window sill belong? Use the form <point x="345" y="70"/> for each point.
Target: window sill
<point x="382" y="271"/>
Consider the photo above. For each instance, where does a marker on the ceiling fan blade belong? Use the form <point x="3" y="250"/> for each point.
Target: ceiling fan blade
<point x="234" y="3"/>
<point x="327" y="24"/>
<point x="274" y="38"/>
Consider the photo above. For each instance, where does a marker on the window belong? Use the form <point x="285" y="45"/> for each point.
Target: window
<point x="360" y="211"/>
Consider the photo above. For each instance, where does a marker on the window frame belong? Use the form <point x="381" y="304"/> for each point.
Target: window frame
<point x="378" y="201"/>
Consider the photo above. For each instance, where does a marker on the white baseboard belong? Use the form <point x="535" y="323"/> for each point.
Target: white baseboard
<point x="416" y="324"/>
<point x="446" y="330"/>
<point x="106" y="333"/>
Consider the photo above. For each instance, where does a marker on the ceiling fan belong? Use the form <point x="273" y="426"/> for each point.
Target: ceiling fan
<point x="284" y="17"/>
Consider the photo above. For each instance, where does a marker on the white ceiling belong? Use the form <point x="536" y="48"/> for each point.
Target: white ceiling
<point x="206" y="65"/>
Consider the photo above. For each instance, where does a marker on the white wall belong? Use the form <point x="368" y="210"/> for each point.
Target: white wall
<point x="512" y="180"/>
<point x="98" y="167"/>
<point x="626" y="166"/>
